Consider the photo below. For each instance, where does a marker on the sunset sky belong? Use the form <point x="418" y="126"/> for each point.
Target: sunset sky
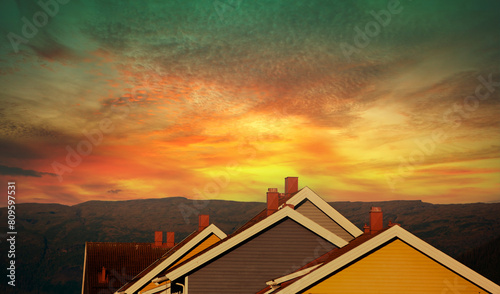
<point x="362" y="100"/>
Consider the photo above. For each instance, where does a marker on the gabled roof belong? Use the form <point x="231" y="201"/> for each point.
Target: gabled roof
<point x="338" y="258"/>
<point x="263" y="214"/>
<point x="297" y="198"/>
<point x="169" y="258"/>
<point x="242" y="235"/>
<point x="307" y="193"/>
<point x="121" y="262"/>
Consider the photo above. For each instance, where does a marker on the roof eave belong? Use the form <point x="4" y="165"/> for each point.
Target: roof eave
<point x="211" y="229"/>
<point x="255" y="229"/>
<point x="307" y="193"/>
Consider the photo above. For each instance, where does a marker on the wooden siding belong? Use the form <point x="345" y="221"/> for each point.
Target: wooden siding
<point x="395" y="268"/>
<point x="309" y="210"/>
<point x="212" y="239"/>
<point x="202" y="246"/>
<point x="273" y="253"/>
<point x="152" y="285"/>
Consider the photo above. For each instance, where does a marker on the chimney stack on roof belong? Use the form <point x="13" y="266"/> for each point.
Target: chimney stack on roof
<point x="203" y="221"/>
<point x="291" y="185"/>
<point x="272" y="200"/>
<point x="366" y="229"/>
<point x="158" y="239"/>
<point x="376" y="220"/>
<point x="170" y="239"/>
<point x="102" y="278"/>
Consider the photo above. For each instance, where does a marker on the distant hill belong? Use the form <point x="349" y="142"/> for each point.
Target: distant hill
<point x="51" y="237"/>
<point x="476" y="258"/>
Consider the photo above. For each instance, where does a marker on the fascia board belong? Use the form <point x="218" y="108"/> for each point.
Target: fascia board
<point x="270" y="291"/>
<point x="292" y="275"/>
<point x="84" y="267"/>
<point x="258" y="227"/>
<point x="211" y="229"/>
<point x="306" y="192"/>
<point x="159" y="288"/>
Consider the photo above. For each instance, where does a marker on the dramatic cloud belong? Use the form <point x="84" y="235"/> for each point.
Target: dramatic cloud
<point x="360" y="99"/>
<point x="116" y="191"/>
<point x="17" y="171"/>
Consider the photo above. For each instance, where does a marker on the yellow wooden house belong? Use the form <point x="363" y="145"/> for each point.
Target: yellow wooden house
<point x="389" y="261"/>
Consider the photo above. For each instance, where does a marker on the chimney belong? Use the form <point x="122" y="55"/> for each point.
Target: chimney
<point x="203" y="221"/>
<point x="158" y="238"/>
<point x="366" y="228"/>
<point x="272" y="200"/>
<point x="376" y="220"/>
<point x="291" y="185"/>
<point x="101" y="278"/>
<point x="170" y="239"/>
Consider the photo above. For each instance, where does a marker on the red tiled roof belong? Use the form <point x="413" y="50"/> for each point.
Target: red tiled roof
<point x="327" y="257"/>
<point x="153" y="265"/>
<point x="122" y="261"/>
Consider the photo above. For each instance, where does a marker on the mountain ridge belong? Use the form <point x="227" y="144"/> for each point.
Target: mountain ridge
<point x="185" y="198"/>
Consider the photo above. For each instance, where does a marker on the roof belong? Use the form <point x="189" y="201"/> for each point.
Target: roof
<point x="296" y="199"/>
<point x="122" y="261"/>
<point x="307" y="193"/>
<point x="242" y="235"/>
<point x="149" y="268"/>
<point x="263" y="214"/>
<point x="339" y="258"/>
<point x="284" y="200"/>
<point x="259" y="217"/>
<point x="177" y="252"/>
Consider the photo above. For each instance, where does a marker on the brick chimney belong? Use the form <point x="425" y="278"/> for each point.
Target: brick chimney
<point x="170" y="239"/>
<point x="203" y="221"/>
<point x="366" y="229"/>
<point x="158" y="239"/>
<point x="272" y="200"/>
<point x="291" y="185"/>
<point x="376" y="220"/>
<point x="102" y="278"/>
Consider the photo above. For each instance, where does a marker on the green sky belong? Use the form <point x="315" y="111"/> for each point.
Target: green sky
<point x="362" y="100"/>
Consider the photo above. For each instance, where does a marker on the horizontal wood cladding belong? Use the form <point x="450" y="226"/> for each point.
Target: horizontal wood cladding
<point x="393" y="269"/>
<point x="309" y="210"/>
<point x="212" y="239"/>
<point x="273" y="253"/>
